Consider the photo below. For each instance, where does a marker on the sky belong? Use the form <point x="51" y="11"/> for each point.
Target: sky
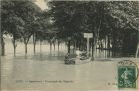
<point x="41" y="4"/>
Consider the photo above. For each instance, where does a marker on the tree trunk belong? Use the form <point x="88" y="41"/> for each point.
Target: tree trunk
<point x="34" y="43"/>
<point x="54" y="46"/>
<point x="101" y="45"/>
<point x="108" y="44"/>
<point x="40" y="45"/>
<point x="25" y="48"/>
<point x="93" y="48"/>
<point x="96" y="35"/>
<point x="75" y="46"/>
<point x="114" y="46"/>
<point x="69" y="46"/>
<point x="34" y="47"/>
<point x="105" y="47"/>
<point x="50" y="46"/>
<point x="26" y="40"/>
<point x="2" y="45"/>
<point x="105" y="42"/>
<point x="58" y="45"/>
<point x="137" y="49"/>
<point x="14" y="50"/>
<point x="114" y="43"/>
<point x="14" y="45"/>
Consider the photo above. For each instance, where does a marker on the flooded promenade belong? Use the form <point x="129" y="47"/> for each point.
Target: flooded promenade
<point x="47" y="71"/>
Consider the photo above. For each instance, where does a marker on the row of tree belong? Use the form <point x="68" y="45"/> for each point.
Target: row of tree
<point x="118" y="21"/>
<point x="66" y="21"/>
<point x="22" y="19"/>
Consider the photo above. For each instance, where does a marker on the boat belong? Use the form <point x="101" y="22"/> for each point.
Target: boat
<point x="82" y="61"/>
<point x="72" y="59"/>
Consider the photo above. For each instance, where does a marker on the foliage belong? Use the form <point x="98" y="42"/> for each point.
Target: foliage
<point x="18" y="16"/>
<point x="73" y="17"/>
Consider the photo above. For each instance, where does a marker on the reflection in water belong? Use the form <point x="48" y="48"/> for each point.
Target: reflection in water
<point x="112" y="54"/>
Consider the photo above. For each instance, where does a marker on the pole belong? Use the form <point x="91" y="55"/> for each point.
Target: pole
<point x="87" y="47"/>
<point x="88" y="36"/>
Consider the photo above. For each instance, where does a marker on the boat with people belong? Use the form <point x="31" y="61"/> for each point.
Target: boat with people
<point x="80" y="57"/>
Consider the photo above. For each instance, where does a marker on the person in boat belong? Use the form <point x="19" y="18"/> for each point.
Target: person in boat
<point x="67" y="56"/>
<point x="68" y="59"/>
<point x="82" y="55"/>
<point x="78" y="52"/>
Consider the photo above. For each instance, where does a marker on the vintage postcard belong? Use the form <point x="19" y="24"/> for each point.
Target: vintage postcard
<point x="69" y="45"/>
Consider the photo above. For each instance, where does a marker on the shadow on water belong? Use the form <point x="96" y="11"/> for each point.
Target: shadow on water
<point x="113" y="54"/>
<point x="60" y="55"/>
<point x="44" y="56"/>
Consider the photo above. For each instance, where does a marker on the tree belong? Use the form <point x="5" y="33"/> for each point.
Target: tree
<point x="65" y="24"/>
<point x="18" y="18"/>
<point x="29" y="13"/>
<point x="103" y="19"/>
<point x="11" y="23"/>
<point x="15" y="26"/>
<point x="4" y="12"/>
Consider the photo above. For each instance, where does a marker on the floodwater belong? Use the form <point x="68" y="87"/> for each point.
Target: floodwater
<point x="46" y="70"/>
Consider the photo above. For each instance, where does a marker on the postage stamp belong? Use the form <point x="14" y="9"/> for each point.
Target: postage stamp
<point x="127" y="74"/>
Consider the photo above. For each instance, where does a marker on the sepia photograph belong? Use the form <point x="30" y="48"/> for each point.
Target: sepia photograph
<point x="69" y="45"/>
